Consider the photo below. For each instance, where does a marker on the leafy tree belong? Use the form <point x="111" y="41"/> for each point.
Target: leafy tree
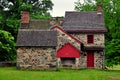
<point x="10" y="14"/>
<point x="113" y="52"/>
<point x="15" y="7"/>
<point x="7" y="46"/>
<point x="10" y="10"/>
<point x="111" y="9"/>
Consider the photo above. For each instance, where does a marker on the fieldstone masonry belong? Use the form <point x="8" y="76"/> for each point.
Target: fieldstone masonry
<point x="98" y="56"/>
<point x="99" y="60"/>
<point x="64" y="38"/>
<point x="98" y="39"/>
<point x="33" y="58"/>
<point x="82" y="61"/>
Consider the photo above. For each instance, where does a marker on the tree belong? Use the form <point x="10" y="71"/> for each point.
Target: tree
<point x="7" y="46"/>
<point x="10" y="14"/>
<point x="10" y="10"/>
<point x="111" y="9"/>
<point x="40" y="7"/>
<point x="113" y="52"/>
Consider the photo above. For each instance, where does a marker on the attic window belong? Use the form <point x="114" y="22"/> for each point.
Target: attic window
<point x="90" y="39"/>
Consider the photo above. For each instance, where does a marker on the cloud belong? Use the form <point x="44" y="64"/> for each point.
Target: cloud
<point x="60" y="6"/>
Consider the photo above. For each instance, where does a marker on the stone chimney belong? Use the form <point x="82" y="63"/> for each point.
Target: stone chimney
<point x="25" y="17"/>
<point x="99" y="9"/>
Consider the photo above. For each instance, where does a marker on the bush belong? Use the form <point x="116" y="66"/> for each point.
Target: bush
<point x="7" y="46"/>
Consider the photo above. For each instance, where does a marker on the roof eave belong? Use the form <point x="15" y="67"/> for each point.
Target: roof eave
<point x="87" y="31"/>
<point x="35" y="46"/>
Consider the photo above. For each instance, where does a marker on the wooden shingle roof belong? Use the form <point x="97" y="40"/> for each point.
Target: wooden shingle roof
<point x="36" y="24"/>
<point x="32" y="37"/>
<point x="83" y="21"/>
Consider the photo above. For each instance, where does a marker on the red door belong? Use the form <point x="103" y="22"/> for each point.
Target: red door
<point x="90" y="59"/>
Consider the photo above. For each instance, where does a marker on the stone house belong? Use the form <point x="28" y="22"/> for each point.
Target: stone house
<point x="77" y="43"/>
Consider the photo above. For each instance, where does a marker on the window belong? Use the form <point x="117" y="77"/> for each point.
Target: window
<point x="90" y="39"/>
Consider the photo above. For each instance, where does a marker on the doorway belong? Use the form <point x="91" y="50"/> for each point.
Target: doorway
<point x="90" y="59"/>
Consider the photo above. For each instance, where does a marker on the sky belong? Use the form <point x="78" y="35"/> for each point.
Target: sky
<point x="60" y="6"/>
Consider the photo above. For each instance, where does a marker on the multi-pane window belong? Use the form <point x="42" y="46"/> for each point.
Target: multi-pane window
<point x="90" y="39"/>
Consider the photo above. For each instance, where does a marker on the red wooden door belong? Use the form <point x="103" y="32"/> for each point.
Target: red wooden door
<point x="90" y="59"/>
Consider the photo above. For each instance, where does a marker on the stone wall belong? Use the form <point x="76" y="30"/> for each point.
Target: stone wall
<point x="63" y="38"/>
<point x="83" y="60"/>
<point x="7" y="64"/>
<point x="98" y="55"/>
<point x="32" y="58"/>
<point x="99" y="60"/>
<point x="98" y="39"/>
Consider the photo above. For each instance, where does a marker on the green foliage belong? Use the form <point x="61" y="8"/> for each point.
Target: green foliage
<point x="12" y="26"/>
<point x="7" y="46"/>
<point x="113" y="52"/>
<point x="37" y="16"/>
<point x="111" y="9"/>
<point x="88" y="5"/>
<point x="10" y="14"/>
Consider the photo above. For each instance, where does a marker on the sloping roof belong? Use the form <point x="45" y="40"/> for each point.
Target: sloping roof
<point x="36" y="24"/>
<point x="28" y="37"/>
<point x="39" y="24"/>
<point x="83" y="21"/>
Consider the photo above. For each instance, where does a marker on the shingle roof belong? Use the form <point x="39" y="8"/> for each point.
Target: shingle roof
<point x="36" y="24"/>
<point x="28" y="37"/>
<point x="83" y="21"/>
<point x="39" y="24"/>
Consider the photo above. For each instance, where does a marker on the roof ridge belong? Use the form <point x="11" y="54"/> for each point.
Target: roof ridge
<point x="81" y="12"/>
<point x="67" y="34"/>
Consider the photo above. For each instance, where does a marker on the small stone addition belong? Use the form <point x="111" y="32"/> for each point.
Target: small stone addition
<point x="40" y="58"/>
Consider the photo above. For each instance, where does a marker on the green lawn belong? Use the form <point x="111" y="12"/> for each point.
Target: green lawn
<point x="11" y="73"/>
<point x="115" y="67"/>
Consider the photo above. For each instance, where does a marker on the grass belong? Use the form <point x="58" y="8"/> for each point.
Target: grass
<point x="115" y="67"/>
<point x="11" y="73"/>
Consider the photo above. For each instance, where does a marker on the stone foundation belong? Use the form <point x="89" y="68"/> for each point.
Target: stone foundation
<point x="33" y="58"/>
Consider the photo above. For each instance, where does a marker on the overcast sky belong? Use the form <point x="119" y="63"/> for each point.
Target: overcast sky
<point x="60" y="6"/>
